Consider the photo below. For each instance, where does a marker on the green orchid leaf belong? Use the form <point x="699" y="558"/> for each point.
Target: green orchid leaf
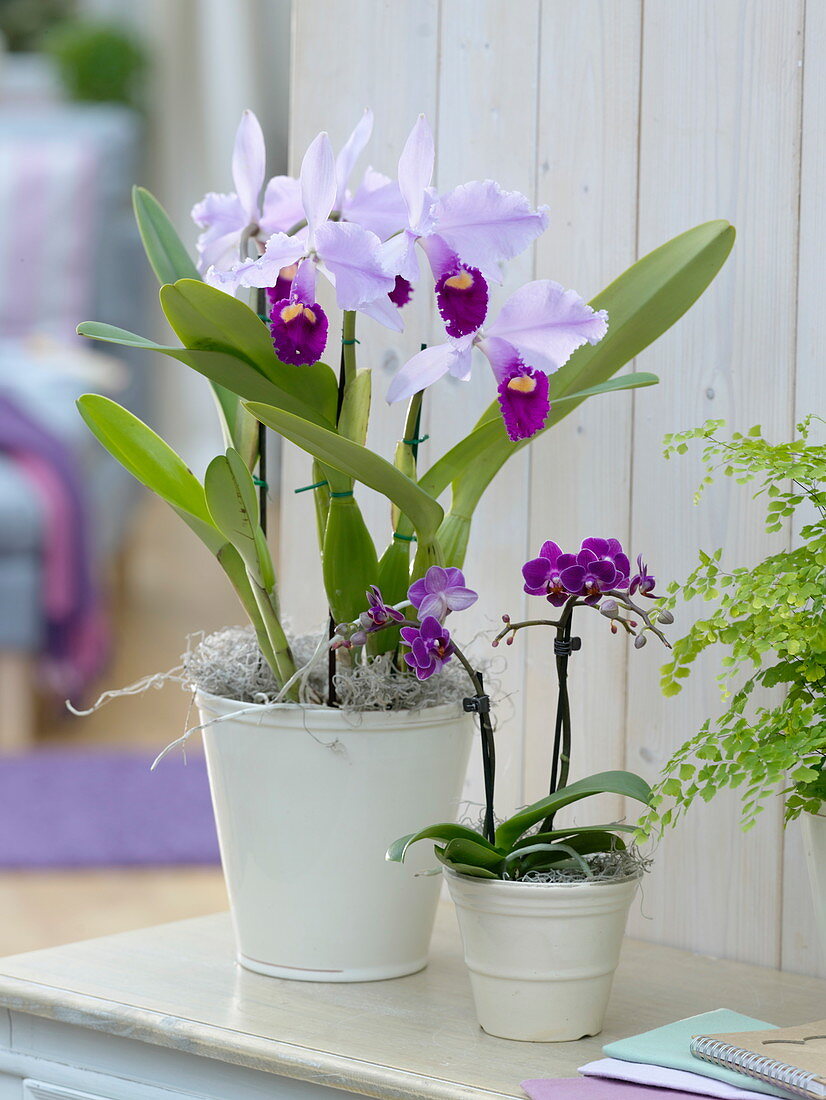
<point x="151" y="461"/>
<point x="356" y="461"/>
<point x="232" y="500"/>
<point x="469" y="869"/>
<point x="206" y="319"/>
<point x="447" y="831"/>
<point x="349" y="561"/>
<point x="572" y="831"/>
<point x="642" y="303"/>
<point x="233" y="565"/>
<point x="472" y="854"/>
<point x="232" y="376"/>
<point x="614" y="782"/>
<point x="166" y="254"/>
<point x="210" y="319"/>
<point x="541" y="852"/>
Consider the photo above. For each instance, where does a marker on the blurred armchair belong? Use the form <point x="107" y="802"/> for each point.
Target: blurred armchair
<point x="68" y="252"/>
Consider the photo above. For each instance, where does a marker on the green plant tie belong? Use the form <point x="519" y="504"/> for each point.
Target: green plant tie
<point x="306" y="488"/>
<point x="350" y="341"/>
<point x="263" y="317"/>
<point x="349" y="493"/>
<point x="404" y="538"/>
<point x="260" y="483"/>
<point x="413" y="442"/>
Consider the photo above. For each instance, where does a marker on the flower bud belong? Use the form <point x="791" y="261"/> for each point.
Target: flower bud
<point x="665" y="617"/>
<point x="640" y="641"/>
<point x="506" y="618"/>
<point x="609" y="608"/>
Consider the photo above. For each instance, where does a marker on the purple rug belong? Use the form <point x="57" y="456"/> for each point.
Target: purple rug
<point x="91" y="808"/>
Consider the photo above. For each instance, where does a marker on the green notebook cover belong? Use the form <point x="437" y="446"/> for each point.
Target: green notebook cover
<point x="669" y="1046"/>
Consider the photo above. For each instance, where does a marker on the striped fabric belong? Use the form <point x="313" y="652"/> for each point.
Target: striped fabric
<point x="47" y="212"/>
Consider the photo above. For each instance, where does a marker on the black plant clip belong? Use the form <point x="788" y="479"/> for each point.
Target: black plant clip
<point x="477" y="704"/>
<point x="564" y="647"/>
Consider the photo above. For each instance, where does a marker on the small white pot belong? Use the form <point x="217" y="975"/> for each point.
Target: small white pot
<point x="541" y="957"/>
<point x="814" y="841"/>
<point x="307" y="800"/>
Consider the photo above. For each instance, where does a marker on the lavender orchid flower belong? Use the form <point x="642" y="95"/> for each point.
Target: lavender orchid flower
<point x="441" y="591"/>
<point x="224" y="218"/>
<point x="430" y="647"/>
<point x="349" y="256"/>
<point x="466" y="234"/>
<point x="536" y="331"/>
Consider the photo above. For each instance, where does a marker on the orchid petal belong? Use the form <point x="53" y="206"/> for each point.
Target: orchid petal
<point x="248" y="164"/>
<point x="350" y="153"/>
<point x="281" y="209"/>
<point x="354" y="262"/>
<point x="536" y="573"/>
<point x="486" y="225"/>
<point x="223" y="220"/>
<point x="385" y="312"/>
<point x="318" y="182"/>
<point x="377" y="205"/>
<point x="423" y="370"/>
<point x="546" y="324"/>
<point x="280" y="252"/>
<point x="416" y="170"/>
<point x="303" y="284"/>
<point x="400" y="256"/>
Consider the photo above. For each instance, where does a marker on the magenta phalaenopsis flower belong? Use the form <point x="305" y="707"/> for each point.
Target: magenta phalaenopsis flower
<point x="377" y="616"/>
<point x="440" y="591"/>
<point x="543" y="577"/>
<point x="611" y="550"/>
<point x="430" y="645"/>
<point x="599" y="566"/>
<point x="642" y="581"/>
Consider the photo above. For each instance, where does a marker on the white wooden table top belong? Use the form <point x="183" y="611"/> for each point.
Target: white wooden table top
<point x="178" y="986"/>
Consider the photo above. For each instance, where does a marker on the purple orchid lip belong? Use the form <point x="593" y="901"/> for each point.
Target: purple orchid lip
<point x="462" y="298"/>
<point x="299" y="331"/>
<point x="524" y="401"/>
<point x="401" y="293"/>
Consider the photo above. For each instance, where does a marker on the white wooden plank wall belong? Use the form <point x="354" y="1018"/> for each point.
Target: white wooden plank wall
<point x="633" y="120"/>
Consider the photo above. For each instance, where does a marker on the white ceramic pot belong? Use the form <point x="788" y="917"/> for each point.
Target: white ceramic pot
<point x="307" y="800"/>
<point x="814" y="841"/>
<point x="541" y="957"/>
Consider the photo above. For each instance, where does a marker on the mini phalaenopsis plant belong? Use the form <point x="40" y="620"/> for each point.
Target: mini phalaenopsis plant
<point x="547" y="348"/>
<point x="528" y="845"/>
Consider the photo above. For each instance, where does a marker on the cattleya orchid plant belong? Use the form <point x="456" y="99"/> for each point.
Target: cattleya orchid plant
<point x="548" y="350"/>
<point x="528" y="844"/>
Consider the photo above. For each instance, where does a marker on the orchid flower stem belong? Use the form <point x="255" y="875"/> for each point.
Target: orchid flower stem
<point x="261" y="306"/>
<point x="348" y="343"/>
<point x="488" y="746"/>
<point x="412" y="423"/>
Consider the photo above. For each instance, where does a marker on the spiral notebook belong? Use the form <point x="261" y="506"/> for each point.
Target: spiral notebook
<point x="792" y="1057"/>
